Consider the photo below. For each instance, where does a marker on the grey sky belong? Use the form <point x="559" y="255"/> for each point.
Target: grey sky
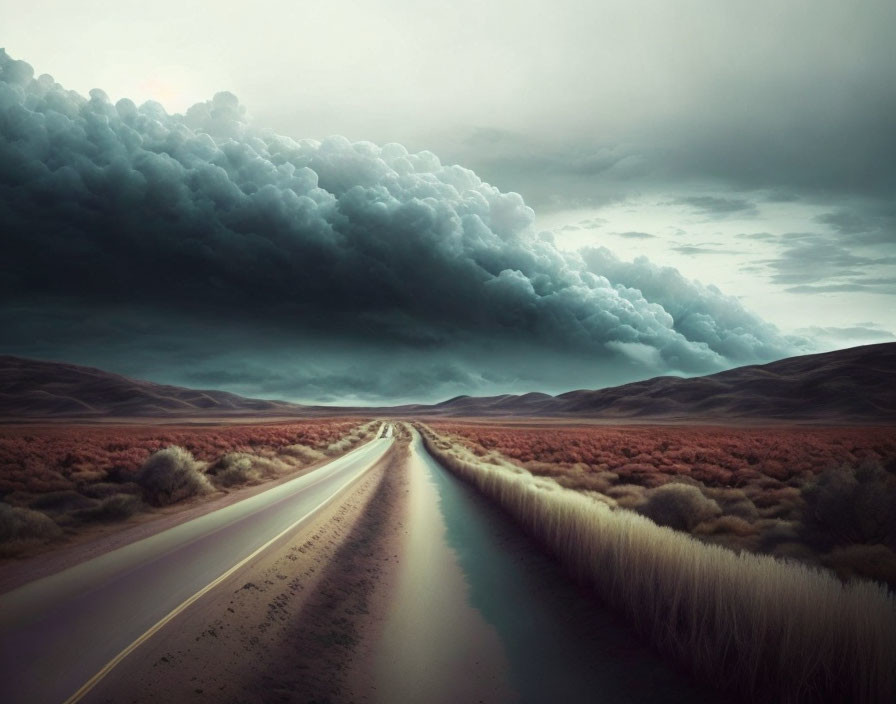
<point x="620" y="72"/>
<point x="748" y="145"/>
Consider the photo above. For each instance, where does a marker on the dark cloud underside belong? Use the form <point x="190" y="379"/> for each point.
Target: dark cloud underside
<point x="118" y="218"/>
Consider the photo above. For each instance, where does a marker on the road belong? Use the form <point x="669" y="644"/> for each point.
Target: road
<point x="61" y="632"/>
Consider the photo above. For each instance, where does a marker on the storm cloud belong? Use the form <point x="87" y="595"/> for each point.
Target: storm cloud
<point x="128" y="214"/>
<point x="702" y="314"/>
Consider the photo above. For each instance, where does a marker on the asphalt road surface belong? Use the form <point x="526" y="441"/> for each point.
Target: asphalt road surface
<point x="58" y="634"/>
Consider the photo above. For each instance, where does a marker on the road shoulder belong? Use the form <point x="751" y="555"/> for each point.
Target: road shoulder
<point x="292" y="626"/>
<point x="96" y="540"/>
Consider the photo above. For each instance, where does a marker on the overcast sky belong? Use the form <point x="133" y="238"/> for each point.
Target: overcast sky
<point x="748" y="146"/>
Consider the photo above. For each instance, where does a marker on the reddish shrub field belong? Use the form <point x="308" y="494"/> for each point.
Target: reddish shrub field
<point x="44" y="458"/>
<point x="713" y="456"/>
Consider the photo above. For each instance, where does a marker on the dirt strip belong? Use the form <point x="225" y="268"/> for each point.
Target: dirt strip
<point x="296" y="625"/>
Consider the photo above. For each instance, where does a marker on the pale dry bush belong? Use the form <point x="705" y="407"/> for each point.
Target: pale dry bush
<point x="244" y="468"/>
<point x="21" y="527"/>
<point x="172" y="475"/>
<point x="763" y="628"/>
<point x="234" y="468"/>
<point x="355" y="437"/>
<point x="302" y="453"/>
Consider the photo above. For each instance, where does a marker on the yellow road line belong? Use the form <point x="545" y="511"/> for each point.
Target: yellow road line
<point x="109" y="666"/>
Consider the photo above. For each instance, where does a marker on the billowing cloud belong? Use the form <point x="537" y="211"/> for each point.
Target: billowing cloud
<point x="128" y="213"/>
<point x="700" y="313"/>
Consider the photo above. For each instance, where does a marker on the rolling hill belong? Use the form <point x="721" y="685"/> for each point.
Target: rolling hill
<point x="856" y="385"/>
<point x="35" y="389"/>
<point x="851" y="385"/>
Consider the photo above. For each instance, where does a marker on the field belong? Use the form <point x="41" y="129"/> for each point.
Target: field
<point x="821" y="495"/>
<point x="56" y="479"/>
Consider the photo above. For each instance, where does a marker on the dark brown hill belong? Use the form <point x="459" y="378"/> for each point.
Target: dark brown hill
<point x="856" y="385"/>
<point x="853" y="385"/>
<point x="32" y="389"/>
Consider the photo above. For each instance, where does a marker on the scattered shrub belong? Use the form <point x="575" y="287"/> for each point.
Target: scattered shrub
<point x="117" y="507"/>
<point x="776" y="498"/>
<point x="303" y="453"/>
<point x="61" y="502"/>
<point x="679" y="506"/>
<point x="775" y="533"/>
<point x="241" y="468"/>
<point x="357" y="436"/>
<point x="171" y="475"/>
<point x="628" y="496"/>
<point x="233" y="468"/>
<point x="734" y="502"/>
<point x="66" y="475"/>
<point x="847" y="506"/>
<point x="866" y="561"/>
<point x="101" y="490"/>
<point x="42" y="458"/>
<point x="23" y="524"/>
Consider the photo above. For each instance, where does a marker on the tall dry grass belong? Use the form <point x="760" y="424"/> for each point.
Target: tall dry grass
<point x="761" y="628"/>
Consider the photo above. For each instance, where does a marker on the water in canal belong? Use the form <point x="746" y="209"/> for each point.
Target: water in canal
<point x="481" y="614"/>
